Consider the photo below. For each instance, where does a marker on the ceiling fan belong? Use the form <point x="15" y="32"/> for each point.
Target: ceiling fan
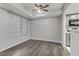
<point x="41" y="7"/>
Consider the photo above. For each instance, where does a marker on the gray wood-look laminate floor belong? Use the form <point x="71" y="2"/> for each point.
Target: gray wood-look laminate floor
<point x="35" y="48"/>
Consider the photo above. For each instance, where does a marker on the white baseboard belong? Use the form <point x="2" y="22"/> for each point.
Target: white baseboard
<point x="14" y="44"/>
<point x="46" y="40"/>
<point x="29" y="39"/>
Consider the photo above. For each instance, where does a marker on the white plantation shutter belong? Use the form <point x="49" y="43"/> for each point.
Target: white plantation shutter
<point x="24" y="26"/>
<point x="17" y="25"/>
<point x="20" y="25"/>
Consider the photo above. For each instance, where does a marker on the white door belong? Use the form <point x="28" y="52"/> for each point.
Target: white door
<point x="74" y="44"/>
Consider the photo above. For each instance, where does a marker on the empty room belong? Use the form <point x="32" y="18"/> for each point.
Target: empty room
<point x="39" y="29"/>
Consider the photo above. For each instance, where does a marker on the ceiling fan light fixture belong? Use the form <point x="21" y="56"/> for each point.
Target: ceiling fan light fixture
<point x="41" y="8"/>
<point x="40" y="11"/>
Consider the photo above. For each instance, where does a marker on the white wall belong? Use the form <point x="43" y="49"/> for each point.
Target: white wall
<point x="8" y="36"/>
<point x="46" y="29"/>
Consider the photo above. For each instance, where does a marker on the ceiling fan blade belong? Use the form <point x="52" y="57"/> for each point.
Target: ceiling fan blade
<point x="40" y="5"/>
<point x="46" y="6"/>
<point x="34" y="10"/>
<point x="36" y="5"/>
<point x="45" y="10"/>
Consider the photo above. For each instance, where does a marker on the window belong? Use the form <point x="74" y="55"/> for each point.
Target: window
<point x="24" y="26"/>
<point x="17" y="25"/>
<point x="68" y="39"/>
<point x="20" y="26"/>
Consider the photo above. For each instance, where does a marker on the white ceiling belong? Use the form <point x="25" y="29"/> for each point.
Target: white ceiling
<point x="25" y="9"/>
<point x="52" y="7"/>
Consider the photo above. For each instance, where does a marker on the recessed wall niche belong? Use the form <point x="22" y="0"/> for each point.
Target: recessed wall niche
<point x="72" y="20"/>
